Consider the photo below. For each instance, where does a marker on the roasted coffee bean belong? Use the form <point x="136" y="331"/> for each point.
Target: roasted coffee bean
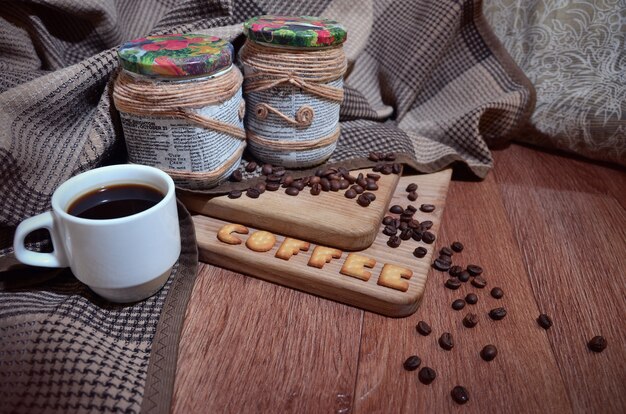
<point x="396" y="209"/>
<point x="390" y="156"/>
<point x="358" y="188"/>
<point x="343" y="184"/>
<point x="390" y="230"/>
<point x="441" y="265"/>
<point x="386" y="169"/>
<point x="470" y="320"/>
<point x="426" y="224"/>
<point x="314" y="180"/>
<point x="426" y="375"/>
<point x="459" y="395"/>
<point x="274" y="178"/>
<point x="446" y="341"/>
<point x="363" y="200"/>
<point x="287" y="180"/>
<point x="497" y="314"/>
<point x="266" y="169"/>
<point x="272" y="186"/>
<point x="471" y="298"/>
<point x="489" y="352"/>
<point x="319" y="172"/>
<point x="412" y="196"/>
<point x="236" y="176"/>
<point x="396" y="168"/>
<point x="350" y="193"/>
<point x="373" y="156"/>
<point x="343" y="171"/>
<point x="412" y="363"/>
<point x="371" y="196"/>
<point x="371" y="186"/>
<point x="474" y="270"/>
<point x="316" y="189"/>
<point x="292" y="191"/>
<point x="406" y="217"/>
<point x="251" y="166"/>
<point x="455" y="271"/>
<point x="544" y="321"/>
<point x="414" y="224"/>
<point x="417" y="235"/>
<point x="378" y="167"/>
<point x="394" y="241"/>
<point x="423" y="328"/>
<point x="597" y="344"/>
<point x="406" y="234"/>
<point x="234" y="194"/>
<point x="325" y="184"/>
<point x="361" y="182"/>
<point x="496" y="292"/>
<point x="334" y="185"/>
<point x="464" y="276"/>
<point x="419" y="252"/>
<point x="445" y="259"/>
<point x="299" y="184"/>
<point x="446" y="251"/>
<point x="411" y="187"/>
<point x="453" y="284"/>
<point x="427" y="208"/>
<point x="253" y="193"/>
<point x="403" y="225"/>
<point x="410" y="209"/>
<point x="328" y="172"/>
<point x="458" y="304"/>
<point x="351" y="179"/>
<point x="428" y="237"/>
<point x="457" y="246"/>
<point x="260" y="187"/>
<point x="279" y="170"/>
<point x="479" y="282"/>
<point x="387" y="220"/>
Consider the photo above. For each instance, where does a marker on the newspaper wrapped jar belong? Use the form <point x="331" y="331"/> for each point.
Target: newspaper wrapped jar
<point x="181" y="106"/>
<point x="293" y="70"/>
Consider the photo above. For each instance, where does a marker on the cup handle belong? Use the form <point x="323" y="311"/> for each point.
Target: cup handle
<point x="42" y="221"/>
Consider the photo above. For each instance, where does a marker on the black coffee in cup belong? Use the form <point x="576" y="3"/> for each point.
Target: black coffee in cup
<point x="115" y="201"/>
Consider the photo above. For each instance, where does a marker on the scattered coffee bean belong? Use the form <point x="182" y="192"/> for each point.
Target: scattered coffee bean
<point x="464" y="276"/>
<point x="489" y="352"/>
<point x="455" y="271"/>
<point x="471" y="298"/>
<point x="314" y="180"/>
<point x="410" y="209"/>
<point x="387" y="220"/>
<point x="419" y="252"/>
<point x="373" y="156"/>
<point x="234" y="194"/>
<point x="396" y="209"/>
<point x="394" y="241"/>
<point x="236" y="176"/>
<point x="390" y="230"/>
<point x="597" y="344"/>
<point x="411" y="187"/>
<point x="412" y="196"/>
<point x="316" y="189"/>
<point x="292" y="191"/>
<point x="373" y="176"/>
<point x="274" y="178"/>
<point x="441" y="265"/>
<point x="406" y="234"/>
<point x="369" y="195"/>
<point x="457" y="246"/>
<point x="358" y="188"/>
<point x="363" y="200"/>
<point x="371" y="186"/>
<point x="417" y="235"/>
<point x="445" y="259"/>
<point x="325" y="184"/>
<point x="266" y="169"/>
<point x="479" y="282"/>
<point x="396" y="168"/>
<point x="446" y="251"/>
<point x="412" y="363"/>
<point x="251" y="166"/>
<point x="470" y="320"/>
<point x="496" y="292"/>
<point x="253" y="193"/>
<point x="287" y="180"/>
<point x="428" y="237"/>
<point x="459" y="395"/>
<point x="474" y="270"/>
<point x="403" y="225"/>
<point x="446" y="341"/>
<point x="334" y="185"/>
<point x="350" y="193"/>
<point x="426" y="375"/>
<point x="497" y="314"/>
<point x="272" y="186"/>
<point x="260" y="187"/>
<point x="453" y="284"/>
<point x="423" y="328"/>
<point x="427" y="208"/>
<point x="544" y="321"/>
<point x="390" y="156"/>
<point x="458" y="304"/>
<point x="343" y="184"/>
<point x="426" y="224"/>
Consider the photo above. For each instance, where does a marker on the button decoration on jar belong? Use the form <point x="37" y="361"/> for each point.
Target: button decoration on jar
<point x="293" y="70"/>
<point x="181" y="107"/>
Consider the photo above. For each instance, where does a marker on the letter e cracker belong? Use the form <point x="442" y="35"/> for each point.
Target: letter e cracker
<point x="391" y="276"/>
<point x="355" y="264"/>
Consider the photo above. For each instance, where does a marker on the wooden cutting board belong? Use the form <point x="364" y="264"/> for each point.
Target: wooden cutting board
<point x="329" y="218"/>
<point x="328" y="281"/>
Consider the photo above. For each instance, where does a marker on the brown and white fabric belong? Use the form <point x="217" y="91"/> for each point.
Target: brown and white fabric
<point x="426" y="79"/>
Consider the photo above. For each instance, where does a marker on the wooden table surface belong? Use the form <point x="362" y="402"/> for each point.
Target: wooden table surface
<point x="548" y="229"/>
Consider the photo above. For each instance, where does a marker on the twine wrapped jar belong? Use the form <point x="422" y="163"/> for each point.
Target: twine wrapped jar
<point x="293" y="83"/>
<point x="181" y="106"/>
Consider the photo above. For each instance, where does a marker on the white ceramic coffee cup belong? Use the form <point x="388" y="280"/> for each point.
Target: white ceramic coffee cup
<point x="123" y="259"/>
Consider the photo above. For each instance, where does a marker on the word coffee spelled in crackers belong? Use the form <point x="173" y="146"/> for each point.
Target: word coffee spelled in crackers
<point x="391" y="276"/>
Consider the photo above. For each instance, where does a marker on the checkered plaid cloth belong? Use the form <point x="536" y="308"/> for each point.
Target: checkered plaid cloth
<point x="427" y="79"/>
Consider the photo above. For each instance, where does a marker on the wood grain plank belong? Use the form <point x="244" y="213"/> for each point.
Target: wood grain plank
<point x="252" y="346"/>
<point x="525" y="374"/>
<point x="574" y="244"/>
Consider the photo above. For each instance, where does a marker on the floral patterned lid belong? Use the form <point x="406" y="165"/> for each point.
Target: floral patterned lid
<point x="176" y="55"/>
<point x="295" y="31"/>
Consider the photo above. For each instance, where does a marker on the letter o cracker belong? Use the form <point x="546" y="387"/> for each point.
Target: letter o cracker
<point x="261" y="241"/>
<point x="224" y="235"/>
<point x="391" y="276"/>
<point x="355" y="264"/>
<point x="291" y="247"/>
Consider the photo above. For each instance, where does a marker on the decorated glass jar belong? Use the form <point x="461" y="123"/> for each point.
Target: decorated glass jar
<point x="293" y="83"/>
<point x="181" y="107"/>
